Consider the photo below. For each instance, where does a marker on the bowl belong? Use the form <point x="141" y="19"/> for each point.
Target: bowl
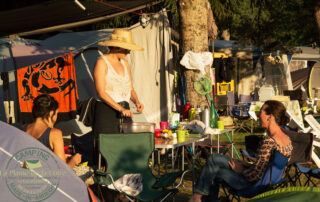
<point x="138" y="127"/>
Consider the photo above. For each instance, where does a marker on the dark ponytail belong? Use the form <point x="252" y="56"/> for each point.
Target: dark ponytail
<point x="43" y="105"/>
<point x="278" y="110"/>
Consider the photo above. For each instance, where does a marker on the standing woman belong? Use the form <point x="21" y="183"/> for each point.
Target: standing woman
<point x="112" y="78"/>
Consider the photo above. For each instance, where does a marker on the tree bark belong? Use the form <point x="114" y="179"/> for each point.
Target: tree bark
<point x="317" y="16"/>
<point x="194" y="32"/>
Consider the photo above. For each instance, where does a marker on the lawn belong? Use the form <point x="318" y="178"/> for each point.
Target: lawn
<point x="185" y="191"/>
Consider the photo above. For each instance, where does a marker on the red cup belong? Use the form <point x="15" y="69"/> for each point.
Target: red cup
<point x="164" y="125"/>
<point x="67" y="150"/>
<point x="157" y="134"/>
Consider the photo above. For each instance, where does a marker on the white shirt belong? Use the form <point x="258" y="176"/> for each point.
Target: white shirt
<point x="117" y="86"/>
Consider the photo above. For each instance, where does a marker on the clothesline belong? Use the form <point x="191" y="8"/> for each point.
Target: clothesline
<point x="114" y="6"/>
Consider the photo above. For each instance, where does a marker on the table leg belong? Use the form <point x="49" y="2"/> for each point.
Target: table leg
<point x="232" y="143"/>
<point x="251" y="125"/>
<point x="182" y="166"/>
<point x="159" y="162"/>
<point x="166" y="163"/>
<point x="172" y="159"/>
<point x="193" y="159"/>
<point x="218" y="143"/>
<point x="152" y="160"/>
<point x="210" y="143"/>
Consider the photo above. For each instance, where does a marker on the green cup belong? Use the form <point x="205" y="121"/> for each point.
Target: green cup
<point x="181" y="134"/>
<point x="221" y="125"/>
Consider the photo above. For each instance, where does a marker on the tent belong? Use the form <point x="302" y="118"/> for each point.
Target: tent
<point x="52" y="15"/>
<point x="293" y="194"/>
<point x="293" y="71"/>
<point x="151" y="69"/>
<point x="14" y="55"/>
<point x="29" y="171"/>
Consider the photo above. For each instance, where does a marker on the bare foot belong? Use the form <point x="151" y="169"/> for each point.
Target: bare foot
<point x="195" y="198"/>
<point x="123" y="198"/>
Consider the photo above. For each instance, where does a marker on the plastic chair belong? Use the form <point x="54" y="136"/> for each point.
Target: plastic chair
<point x="271" y="179"/>
<point x="129" y="154"/>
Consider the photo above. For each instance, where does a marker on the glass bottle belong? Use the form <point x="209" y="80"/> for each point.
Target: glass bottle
<point x="213" y="116"/>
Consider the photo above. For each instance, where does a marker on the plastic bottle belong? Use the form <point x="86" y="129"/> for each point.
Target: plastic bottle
<point x="213" y="116"/>
<point x="205" y="116"/>
<point x="191" y="113"/>
<point x="199" y="111"/>
<point x="196" y="117"/>
<point x="186" y="110"/>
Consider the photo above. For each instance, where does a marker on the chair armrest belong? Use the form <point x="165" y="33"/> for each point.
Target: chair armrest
<point x="247" y="156"/>
<point x="100" y="172"/>
<point x="168" y="179"/>
<point x="100" y="177"/>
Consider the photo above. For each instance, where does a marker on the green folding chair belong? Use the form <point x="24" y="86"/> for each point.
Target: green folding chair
<point x="129" y="154"/>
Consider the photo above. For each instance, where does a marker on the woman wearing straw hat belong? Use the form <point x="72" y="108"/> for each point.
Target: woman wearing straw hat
<point x="112" y="78"/>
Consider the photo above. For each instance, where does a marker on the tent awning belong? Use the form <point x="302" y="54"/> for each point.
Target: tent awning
<point x="62" y="14"/>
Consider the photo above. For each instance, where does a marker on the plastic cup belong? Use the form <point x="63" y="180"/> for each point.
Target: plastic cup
<point x="163" y="125"/>
<point x="221" y="125"/>
<point x="181" y="134"/>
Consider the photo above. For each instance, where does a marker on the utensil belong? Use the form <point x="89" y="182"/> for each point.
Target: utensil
<point x="138" y="127"/>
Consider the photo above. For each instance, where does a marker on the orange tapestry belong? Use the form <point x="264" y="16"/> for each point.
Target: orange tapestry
<point x="55" y="77"/>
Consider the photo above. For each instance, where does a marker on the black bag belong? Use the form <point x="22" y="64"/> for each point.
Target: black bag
<point x="252" y="143"/>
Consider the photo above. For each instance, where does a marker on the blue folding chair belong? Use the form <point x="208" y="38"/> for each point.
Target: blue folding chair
<point x="271" y="179"/>
<point x="309" y="173"/>
<point x="300" y="158"/>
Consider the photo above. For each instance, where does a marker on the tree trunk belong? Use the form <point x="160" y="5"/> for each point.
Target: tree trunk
<point x="317" y="16"/>
<point x="194" y="31"/>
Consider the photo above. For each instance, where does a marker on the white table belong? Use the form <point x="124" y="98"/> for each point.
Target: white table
<point x="217" y="132"/>
<point x="172" y="144"/>
<point x="161" y="143"/>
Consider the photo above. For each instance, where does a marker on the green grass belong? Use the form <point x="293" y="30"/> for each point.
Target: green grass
<point x="185" y="191"/>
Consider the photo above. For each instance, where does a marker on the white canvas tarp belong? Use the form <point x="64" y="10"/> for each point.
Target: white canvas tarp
<point x="151" y="69"/>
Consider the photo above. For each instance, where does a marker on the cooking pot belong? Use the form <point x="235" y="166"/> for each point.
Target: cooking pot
<point x="138" y="127"/>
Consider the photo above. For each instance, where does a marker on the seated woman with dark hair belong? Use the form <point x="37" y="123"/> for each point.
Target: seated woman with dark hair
<point x="45" y="113"/>
<point x="241" y="174"/>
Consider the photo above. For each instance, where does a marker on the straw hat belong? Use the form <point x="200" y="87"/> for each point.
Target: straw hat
<point x="121" y="38"/>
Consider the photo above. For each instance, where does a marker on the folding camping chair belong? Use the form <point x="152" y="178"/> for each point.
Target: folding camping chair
<point x="302" y="151"/>
<point x="129" y="154"/>
<point x="239" y="112"/>
<point x="301" y="155"/>
<point x="271" y="179"/>
<point x="309" y="173"/>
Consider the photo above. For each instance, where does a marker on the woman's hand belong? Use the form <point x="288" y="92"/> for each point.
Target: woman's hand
<point x="140" y="107"/>
<point x="76" y="158"/>
<point x="236" y="165"/>
<point x="126" y="113"/>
